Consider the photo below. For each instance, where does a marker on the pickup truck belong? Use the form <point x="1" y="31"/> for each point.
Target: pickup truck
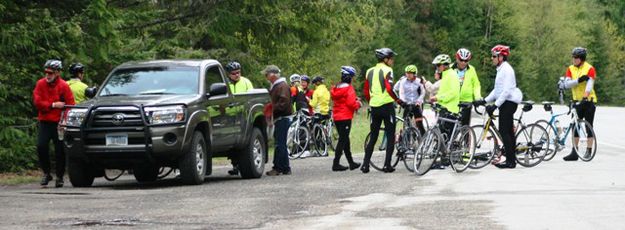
<point x="165" y="113"/>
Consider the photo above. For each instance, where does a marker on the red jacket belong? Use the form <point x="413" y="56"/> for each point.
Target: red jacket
<point x="345" y="103"/>
<point x="45" y="94"/>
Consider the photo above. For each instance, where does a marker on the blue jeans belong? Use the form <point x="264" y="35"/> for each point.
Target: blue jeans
<point x="281" y="155"/>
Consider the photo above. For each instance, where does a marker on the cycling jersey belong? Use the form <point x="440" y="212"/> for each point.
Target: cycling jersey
<point x="448" y="94"/>
<point x="470" y="89"/>
<point x="378" y="86"/>
<point x="578" y="90"/>
<point x="241" y="86"/>
<point x="505" y="86"/>
<point x="321" y="100"/>
<point x="78" y="89"/>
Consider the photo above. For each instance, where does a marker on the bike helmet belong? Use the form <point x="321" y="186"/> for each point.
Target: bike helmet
<point x="305" y="78"/>
<point x="76" y="68"/>
<point x="384" y="53"/>
<point x="295" y="78"/>
<point x="53" y="64"/>
<point x="347" y="73"/>
<point x="232" y="66"/>
<point x="442" y="59"/>
<point x="500" y="50"/>
<point x="317" y="79"/>
<point x="463" y="54"/>
<point x="411" y="69"/>
<point x="579" y="52"/>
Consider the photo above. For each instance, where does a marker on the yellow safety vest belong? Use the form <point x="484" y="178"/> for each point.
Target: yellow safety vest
<point x="376" y="76"/>
<point x="579" y="90"/>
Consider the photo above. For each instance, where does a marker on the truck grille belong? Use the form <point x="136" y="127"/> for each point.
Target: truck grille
<point x="117" y="118"/>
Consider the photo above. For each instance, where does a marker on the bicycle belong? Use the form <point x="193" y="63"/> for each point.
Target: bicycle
<point x="458" y="150"/>
<point x="557" y="135"/>
<point x="321" y="134"/>
<point x="531" y="140"/>
<point x="298" y="136"/>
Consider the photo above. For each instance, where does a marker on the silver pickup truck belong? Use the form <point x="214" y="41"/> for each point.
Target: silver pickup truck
<point x="165" y="113"/>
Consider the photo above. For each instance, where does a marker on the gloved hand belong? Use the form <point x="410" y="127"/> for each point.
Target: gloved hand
<point x="401" y="103"/>
<point x="582" y="79"/>
<point x="561" y="85"/>
<point x="490" y="109"/>
<point x="479" y="102"/>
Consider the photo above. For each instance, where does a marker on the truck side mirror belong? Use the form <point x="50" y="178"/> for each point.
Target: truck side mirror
<point x="90" y="92"/>
<point x="217" y="89"/>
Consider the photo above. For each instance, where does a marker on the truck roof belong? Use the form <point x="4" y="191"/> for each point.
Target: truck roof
<point x="169" y="62"/>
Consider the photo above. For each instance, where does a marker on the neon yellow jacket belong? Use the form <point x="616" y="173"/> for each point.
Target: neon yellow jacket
<point x="78" y="89"/>
<point x="470" y="89"/>
<point x="241" y="86"/>
<point x="448" y="94"/>
<point x="321" y="100"/>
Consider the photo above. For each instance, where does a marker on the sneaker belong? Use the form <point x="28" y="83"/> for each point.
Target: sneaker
<point x="506" y="165"/>
<point x="275" y="172"/>
<point x="354" y="165"/>
<point x="588" y="153"/>
<point x="339" y="167"/>
<point x="305" y="154"/>
<point x="59" y="183"/>
<point x="571" y="157"/>
<point x="45" y="179"/>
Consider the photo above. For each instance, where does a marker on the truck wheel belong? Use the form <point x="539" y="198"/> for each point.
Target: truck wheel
<point x="145" y="172"/>
<point x="79" y="173"/>
<point x="252" y="158"/>
<point x="193" y="164"/>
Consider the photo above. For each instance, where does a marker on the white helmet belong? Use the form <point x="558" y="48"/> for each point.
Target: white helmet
<point x="463" y="54"/>
<point x="295" y="78"/>
<point x="441" y="59"/>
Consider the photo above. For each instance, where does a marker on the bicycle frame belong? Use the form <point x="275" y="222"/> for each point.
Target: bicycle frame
<point x="561" y="139"/>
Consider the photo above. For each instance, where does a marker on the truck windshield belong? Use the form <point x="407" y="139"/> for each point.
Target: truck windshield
<point x="152" y="81"/>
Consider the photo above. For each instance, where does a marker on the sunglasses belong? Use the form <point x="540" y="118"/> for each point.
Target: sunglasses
<point x="49" y="72"/>
<point x="494" y="56"/>
<point x="464" y="60"/>
<point x="235" y="73"/>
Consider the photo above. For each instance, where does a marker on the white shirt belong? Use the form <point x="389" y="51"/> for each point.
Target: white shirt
<point x="409" y="91"/>
<point x="505" y="86"/>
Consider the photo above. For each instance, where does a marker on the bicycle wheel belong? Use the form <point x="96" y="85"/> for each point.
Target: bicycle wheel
<point x="586" y="147"/>
<point x="427" y="152"/>
<point x="298" y="143"/>
<point x="410" y="143"/>
<point x="554" y="138"/>
<point x="379" y="152"/>
<point x="531" y="145"/>
<point x="486" y="146"/>
<point x="333" y="135"/>
<point x="462" y="149"/>
<point x="320" y="141"/>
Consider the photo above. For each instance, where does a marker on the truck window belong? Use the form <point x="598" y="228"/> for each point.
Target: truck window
<point x="213" y="75"/>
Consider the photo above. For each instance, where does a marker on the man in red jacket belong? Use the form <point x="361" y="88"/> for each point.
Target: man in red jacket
<point x="50" y="96"/>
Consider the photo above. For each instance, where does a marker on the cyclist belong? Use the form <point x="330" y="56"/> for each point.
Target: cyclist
<point x="469" y="82"/>
<point x="50" y="96"/>
<point x="294" y="80"/>
<point x="75" y="83"/>
<point x="580" y="78"/>
<point x="305" y="94"/>
<point x="378" y="91"/>
<point x="412" y="92"/>
<point x="507" y="97"/>
<point x="237" y="84"/>
<point x="320" y="99"/>
<point x="345" y="104"/>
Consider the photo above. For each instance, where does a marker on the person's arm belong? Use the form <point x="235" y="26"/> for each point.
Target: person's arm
<point x="38" y="100"/>
<point x="248" y="84"/>
<point x="568" y="80"/>
<point x="422" y="95"/>
<point x="69" y="96"/>
<point x="366" y="90"/>
<point x="315" y="99"/>
<point x="590" y="82"/>
<point x="445" y="91"/>
<point x="477" y="88"/>
<point x="388" y="84"/>
<point x="352" y="100"/>
<point x="283" y="101"/>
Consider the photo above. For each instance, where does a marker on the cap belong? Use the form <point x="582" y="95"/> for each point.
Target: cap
<point x="270" y="69"/>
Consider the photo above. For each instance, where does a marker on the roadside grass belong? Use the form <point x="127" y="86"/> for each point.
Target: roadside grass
<point x="25" y="177"/>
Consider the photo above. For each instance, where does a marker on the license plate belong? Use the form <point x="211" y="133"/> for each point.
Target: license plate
<point x="117" y="139"/>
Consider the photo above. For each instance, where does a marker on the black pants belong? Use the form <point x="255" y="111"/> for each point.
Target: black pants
<point x="417" y="114"/>
<point x="506" y="128"/>
<point x="465" y="114"/>
<point x="384" y="113"/>
<point x="343" y="145"/>
<point x="47" y="132"/>
<point x="585" y="111"/>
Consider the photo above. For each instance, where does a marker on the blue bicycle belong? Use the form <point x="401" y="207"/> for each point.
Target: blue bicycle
<point x="583" y="137"/>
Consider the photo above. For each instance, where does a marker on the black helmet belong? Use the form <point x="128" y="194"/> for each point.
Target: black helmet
<point x="76" y="68"/>
<point x="317" y="79"/>
<point x="579" y="52"/>
<point x="53" y="64"/>
<point x="305" y="78"/>
<point x="233" y="66"/>
<point x="384" y="53"/>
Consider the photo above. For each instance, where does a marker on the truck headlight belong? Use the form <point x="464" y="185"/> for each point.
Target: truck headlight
<point x="165" y="114"/>
<point x="74" y="117"/>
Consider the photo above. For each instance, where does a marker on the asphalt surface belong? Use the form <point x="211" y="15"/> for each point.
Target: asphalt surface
<point x="552" y="195"/>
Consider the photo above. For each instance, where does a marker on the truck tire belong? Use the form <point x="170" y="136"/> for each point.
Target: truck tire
<point x="80" y="174"/>
<point x="145" y="172"/>
<point x="252" y="158"/>
<point x="193" y="164"/>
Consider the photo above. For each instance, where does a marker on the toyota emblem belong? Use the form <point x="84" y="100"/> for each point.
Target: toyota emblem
<point x="118" y="119"/>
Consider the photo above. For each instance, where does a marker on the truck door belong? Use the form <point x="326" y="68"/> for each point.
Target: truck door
<point x="221" y="119"/>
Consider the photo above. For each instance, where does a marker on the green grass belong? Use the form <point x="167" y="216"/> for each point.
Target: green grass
<point x="19" y="178"/>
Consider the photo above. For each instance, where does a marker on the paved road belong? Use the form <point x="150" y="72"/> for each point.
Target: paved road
<point x="552" y="195"/>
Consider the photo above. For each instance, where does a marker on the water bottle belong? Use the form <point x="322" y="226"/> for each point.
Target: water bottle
<point x="559" y="128"/>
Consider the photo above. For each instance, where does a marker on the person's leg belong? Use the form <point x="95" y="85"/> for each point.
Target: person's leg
<point x="282" y="155"/>
<point x="43" y="151"/>
<point x="389" y="129"/>
<point x="466" y="116"/>
<point x="418" y="117"/>
<point x="59" y="152"/>
<point x="376" y="121"/>
<point x="590" y="118"/>
<point x="506" y="125"/>
<point x="341" y="127"/>
<point x="348" y="149"/>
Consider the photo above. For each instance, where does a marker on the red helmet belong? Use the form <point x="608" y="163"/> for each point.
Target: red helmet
<point x="463" y="54"/>
<point x="500" y="50"/>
